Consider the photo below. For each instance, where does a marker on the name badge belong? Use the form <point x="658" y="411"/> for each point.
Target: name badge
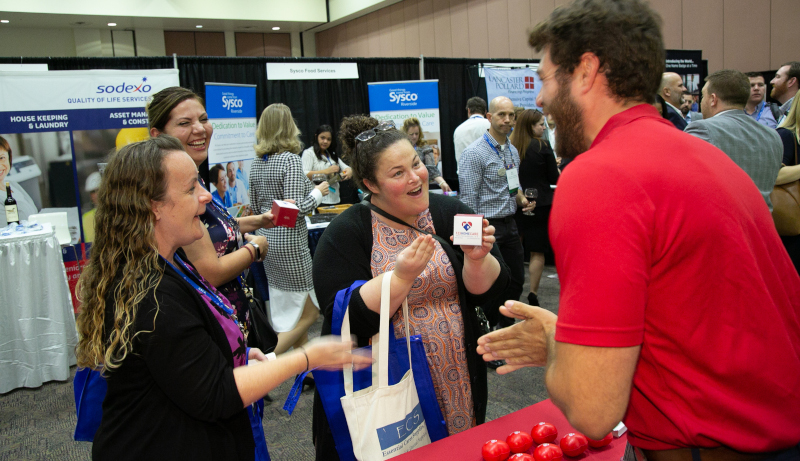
<point x="513" y="180"/>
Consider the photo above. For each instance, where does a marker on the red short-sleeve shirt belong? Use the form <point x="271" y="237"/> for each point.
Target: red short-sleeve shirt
<point x="662" y="241"/>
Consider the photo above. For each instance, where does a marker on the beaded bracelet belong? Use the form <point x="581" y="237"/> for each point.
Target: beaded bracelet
<point x="252" y="255"/>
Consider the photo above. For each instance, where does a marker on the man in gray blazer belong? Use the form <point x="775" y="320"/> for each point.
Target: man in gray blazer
<point x="751" y="145"/>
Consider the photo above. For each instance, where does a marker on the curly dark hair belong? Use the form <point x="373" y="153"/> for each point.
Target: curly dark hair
<point x="363" y="158"/>
<point x="213" y="173"/>
<point x="625" y="35"/>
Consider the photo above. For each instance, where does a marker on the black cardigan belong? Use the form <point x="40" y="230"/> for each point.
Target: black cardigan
<point x="174" y="396"/>
<point x="343" y="256"/>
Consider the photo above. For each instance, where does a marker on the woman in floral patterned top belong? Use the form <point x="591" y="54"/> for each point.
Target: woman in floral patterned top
<point x="443" y="282"/>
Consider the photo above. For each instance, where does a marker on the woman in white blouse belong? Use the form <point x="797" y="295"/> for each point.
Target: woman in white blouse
<point x="321" y="159"/>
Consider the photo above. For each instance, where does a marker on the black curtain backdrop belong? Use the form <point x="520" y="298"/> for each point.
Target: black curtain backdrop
<point x="459" y="80"/>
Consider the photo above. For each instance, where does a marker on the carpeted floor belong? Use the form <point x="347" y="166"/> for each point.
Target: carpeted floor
<point x="37" y="424"/>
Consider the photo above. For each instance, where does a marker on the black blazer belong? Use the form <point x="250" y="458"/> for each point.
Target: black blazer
<point x="675" y="117"/>
<point x="539" y="169"/>
<point x="174" y="396"/>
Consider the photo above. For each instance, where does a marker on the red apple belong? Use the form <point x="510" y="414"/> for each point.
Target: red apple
<point x="495" y="450"/>
<point x="548" y="452"/>
<point x="521" y="457"/>
<point x="573" y="444"/>
<point x="519" y="441"/>
<point x="602" y="442"/>
<point x="544" y="433"/>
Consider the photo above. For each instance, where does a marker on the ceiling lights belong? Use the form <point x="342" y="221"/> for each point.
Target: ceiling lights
<point x="276" y="28"/>
<point x="199" y="26"/>
<point x="4" y="21"/>
<point x="112" y="24"/>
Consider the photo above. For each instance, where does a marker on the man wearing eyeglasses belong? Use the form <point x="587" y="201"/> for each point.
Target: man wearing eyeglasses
<point x="488" y="175"/>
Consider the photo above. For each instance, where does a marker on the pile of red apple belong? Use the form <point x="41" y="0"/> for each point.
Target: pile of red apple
<point x="544" y="435"/>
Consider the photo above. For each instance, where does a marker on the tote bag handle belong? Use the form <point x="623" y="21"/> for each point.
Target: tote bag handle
<point x="381" y="378"/>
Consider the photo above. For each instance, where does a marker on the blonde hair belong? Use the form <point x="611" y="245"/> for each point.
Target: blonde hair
<point x="124" y="260"/>
<point x="793" y="117"/>
<point x="414" y="121"/>
<point x="277" y="132"/>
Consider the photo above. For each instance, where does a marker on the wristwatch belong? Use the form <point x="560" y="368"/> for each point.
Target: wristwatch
<point x="258" y="250"/>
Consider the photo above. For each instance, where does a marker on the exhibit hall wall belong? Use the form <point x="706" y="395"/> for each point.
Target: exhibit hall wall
<point x="749" y="35"/>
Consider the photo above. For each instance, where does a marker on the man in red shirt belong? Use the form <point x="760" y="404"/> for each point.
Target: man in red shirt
<point x="680" y="310"/>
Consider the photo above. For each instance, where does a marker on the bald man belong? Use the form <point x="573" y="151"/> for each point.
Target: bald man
<point x="488" y="175"/>
<point x="672" y="89"/>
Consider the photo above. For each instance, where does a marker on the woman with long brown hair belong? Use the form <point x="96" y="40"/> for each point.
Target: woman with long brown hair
<point x="171" y="346"/>
<point x="537" y="170"/>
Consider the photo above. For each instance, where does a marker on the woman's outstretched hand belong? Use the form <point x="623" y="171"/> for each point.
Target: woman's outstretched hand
<point x="412" y="261"/>
<point x="330" y="353"/>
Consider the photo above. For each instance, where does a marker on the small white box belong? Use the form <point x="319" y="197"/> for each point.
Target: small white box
<point x="468" y="229"/>
<point x="619" y="430"/>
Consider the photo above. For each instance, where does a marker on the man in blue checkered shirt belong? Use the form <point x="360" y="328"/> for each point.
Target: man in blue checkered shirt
<point x="489" y="184"/>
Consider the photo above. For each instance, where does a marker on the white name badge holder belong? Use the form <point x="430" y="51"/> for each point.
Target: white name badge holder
<point x="512" y="175"/>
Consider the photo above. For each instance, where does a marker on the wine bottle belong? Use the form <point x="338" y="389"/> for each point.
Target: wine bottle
<point x="12" y="216"/>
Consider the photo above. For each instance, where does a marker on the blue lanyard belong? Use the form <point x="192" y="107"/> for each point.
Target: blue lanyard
<point x="763" y="106"/>
<point x="502" y="159"/>
<point x="210" y="294"/>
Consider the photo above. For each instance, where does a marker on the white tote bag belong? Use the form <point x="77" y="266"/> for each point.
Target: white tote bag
<point x="384" y="421"/>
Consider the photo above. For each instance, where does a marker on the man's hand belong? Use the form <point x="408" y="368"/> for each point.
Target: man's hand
<point x="528" y="205"/>
<point x="524" y="344"/>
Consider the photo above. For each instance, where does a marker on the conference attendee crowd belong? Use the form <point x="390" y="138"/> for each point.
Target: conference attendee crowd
<point x="680" y="304"/>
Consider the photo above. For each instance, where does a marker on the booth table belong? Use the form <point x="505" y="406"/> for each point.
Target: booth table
<point x="466" y="446"/>
<point x="37" y="323"/>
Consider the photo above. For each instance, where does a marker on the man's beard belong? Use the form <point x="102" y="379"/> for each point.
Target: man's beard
<point x="570" y="135"/>
<point x="777" y="92"/>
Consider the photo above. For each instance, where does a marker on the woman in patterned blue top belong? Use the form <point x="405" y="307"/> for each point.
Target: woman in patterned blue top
<point x="226" y="249"/>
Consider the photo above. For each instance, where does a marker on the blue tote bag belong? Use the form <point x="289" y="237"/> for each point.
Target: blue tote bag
<point x="330" y="384"/>
<point x="90" y="390"/>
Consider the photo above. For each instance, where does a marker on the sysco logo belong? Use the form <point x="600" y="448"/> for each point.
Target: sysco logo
<point x="228" y="102"/>
<point x="125" y="88"/>
<point x="397" y="98"/>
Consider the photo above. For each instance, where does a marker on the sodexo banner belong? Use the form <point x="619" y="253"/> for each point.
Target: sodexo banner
<point x="232" y="113"/>
<point x="61" y="124"/>
<point x="520" y="85"/>
<point x="398" y="101"/>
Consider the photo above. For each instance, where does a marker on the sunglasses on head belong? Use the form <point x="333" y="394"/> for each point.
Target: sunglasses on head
<point x="371" y="133"/>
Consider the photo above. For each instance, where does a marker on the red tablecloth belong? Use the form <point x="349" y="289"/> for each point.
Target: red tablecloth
<point x="466" y="446"/>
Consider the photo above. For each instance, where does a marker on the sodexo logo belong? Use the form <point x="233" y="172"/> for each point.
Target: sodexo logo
<point x="401" y="96"/>
<point x="125" y="88"/>
<point x="229" y="101"/>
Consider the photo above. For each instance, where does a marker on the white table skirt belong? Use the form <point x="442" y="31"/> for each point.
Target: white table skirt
<point x="37" y="324"/>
